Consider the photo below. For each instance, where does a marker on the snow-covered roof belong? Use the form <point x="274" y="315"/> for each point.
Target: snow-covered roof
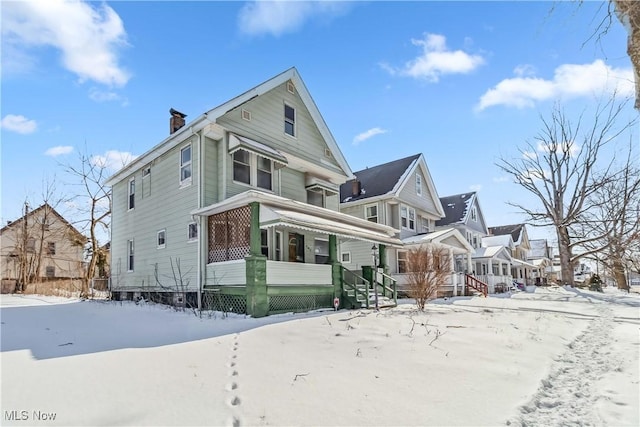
<point x="505" y="241"/>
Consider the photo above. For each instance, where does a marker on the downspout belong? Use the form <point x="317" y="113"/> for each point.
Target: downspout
<point x="199" y="218"/>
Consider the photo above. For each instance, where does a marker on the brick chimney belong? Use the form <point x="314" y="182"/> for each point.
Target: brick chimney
<point x="176" y="121"/>
<point x="356" y="188"/>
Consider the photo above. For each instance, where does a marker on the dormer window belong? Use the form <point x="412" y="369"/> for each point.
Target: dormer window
<point x="289" y="120"/>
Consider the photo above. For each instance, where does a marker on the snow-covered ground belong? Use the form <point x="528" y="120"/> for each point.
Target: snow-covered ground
<point x="553" y="357"/>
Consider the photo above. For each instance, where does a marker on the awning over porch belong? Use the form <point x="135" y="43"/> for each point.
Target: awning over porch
<point x="272" y="217"/>
<point x="520" y="263"/>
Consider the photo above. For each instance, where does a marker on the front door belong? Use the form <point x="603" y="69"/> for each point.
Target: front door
<point x="296" y="247"/>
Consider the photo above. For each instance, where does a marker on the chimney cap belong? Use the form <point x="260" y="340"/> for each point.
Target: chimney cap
<point x="177" y="113"/>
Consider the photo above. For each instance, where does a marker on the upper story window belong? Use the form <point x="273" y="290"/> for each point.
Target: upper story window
<point x="418" y="184"/>
<point x="408" y="218"/>
<point x="474" y="214"/>
<point x="264" y="172"/>
<point x="242" y="166"/>
<point x="185" y="165"/>
<point x="289" y="120"/>
<point x="51" y="248"/>
<point x="132" y="193"/>
<point x="31" y="245"/>
<point x="371" y="213"/>
<point x="252" y="169"/>
<point x="192" y="235"/>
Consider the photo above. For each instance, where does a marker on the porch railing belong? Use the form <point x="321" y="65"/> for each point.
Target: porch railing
<point x="389" y="292"/>
<point x="355" y="288"/>
<point x="476" y="284"/>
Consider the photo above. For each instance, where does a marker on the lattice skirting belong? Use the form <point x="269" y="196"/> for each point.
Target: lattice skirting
<point x="214" y="300"/>
<point x="298" y="303"/>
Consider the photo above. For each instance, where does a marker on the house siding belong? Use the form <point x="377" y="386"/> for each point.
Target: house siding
<point x="422" y="203"/>
<point x="167" y="208"/>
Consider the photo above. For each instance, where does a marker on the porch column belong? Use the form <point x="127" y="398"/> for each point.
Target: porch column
<point x="469" y="265"/>
<point x="256" y="269"/>
<point x="454" y="277"/>
<point x="336" y="269"/>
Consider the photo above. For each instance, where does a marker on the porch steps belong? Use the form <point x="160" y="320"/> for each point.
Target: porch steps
<point x="476" y="284"/>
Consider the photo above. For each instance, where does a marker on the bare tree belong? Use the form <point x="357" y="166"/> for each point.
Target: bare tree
<point x="428" y="268"/>
<point x="558" y="168"/>
<point x="610" y="225"/>
<point x="93" y="203"/>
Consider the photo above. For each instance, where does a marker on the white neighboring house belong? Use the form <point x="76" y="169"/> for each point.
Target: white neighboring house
<point x="522" y="270"/>
<point x="400" y="194"/>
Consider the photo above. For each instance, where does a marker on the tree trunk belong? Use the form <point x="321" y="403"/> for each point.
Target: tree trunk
<point x="619" y="275"/>
<point x="564" y="250"/>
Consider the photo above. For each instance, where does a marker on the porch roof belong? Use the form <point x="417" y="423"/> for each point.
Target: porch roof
<point x="516" y="261"/>
<point x="271" y="217"/>
<point x="493" y="252"/>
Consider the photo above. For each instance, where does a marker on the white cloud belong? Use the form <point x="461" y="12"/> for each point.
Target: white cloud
<point x="19" y="124"/>
<point x="87" y="37"/>
<point x="113" y="159"/>
<point x="569" y="80"/>
<point x="368" y="134"/>
<point x="280" y="17"/>
<point x="98" y="95"/>
<point x="475" y="187"/>
<point x="524" y="70"/>
<point x="436" y="60"/>
<point x="59" y="150"/>
<point x="499" y="179"/>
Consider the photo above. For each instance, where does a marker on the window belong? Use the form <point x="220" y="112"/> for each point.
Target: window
<point x="132" y="193"/>
<point x="246" y="115"/>
<point x="264" y="243"/>
<point x="475" y="242"/>
<point x="371" y="213"/>
<point x="130" y="255"/>
<point x="321" y="251"/>
<point x="402" y="262"/>
<point x="252" y="169"/>
<point x="242" y="166"/>
<point x="50" y="272"/>
<point x="278" y="246"/>
<point x="346" y="257"/>
<point x="31" y="245"/>
<point x="51" y="248"/>
<point x="418" y="184"/>
<point x="474" y="214"/>
<point x="289" y="120"/>
<point x="193" y="232"/>
<point x="162" y="238"/>
<point x="315" y="198"/>
<point x="425" y="225"/>
<point x="408" y="218"/>
<point x="146" y="172"/>
<point x="264" y="173"/>
<point x="185" y="165"/>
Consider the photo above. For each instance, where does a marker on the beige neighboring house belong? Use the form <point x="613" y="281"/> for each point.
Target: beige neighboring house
<point x="40" y="245"/>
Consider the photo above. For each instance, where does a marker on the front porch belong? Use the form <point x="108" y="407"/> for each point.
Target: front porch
<point x="266" y="254"/>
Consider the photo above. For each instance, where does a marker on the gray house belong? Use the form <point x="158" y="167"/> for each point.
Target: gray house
<point x="399" y="194"/>
<point x="238" y="209"/>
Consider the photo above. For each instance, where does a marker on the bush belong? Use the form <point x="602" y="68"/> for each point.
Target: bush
<point x="595" y="283"/>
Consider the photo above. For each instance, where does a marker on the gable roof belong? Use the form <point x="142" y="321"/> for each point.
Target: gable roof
<point x="36" y="211"/>
<point x="209" y="118"/>
<point x="514" y="229"/>
<point x="456" y="208"/>
<point x="502" y="240"/>
<point x="378" y="180"/>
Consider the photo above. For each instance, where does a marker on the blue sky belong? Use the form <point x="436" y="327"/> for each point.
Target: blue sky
<point x="461" y="82"/>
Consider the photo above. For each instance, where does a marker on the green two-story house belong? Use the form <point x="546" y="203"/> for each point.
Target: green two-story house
<point x="238" y="210"/>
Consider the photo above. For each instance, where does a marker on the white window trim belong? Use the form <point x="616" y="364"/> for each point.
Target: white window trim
<point x="187" y="181"/>
<point x="131" y="253"/>
<point x="377" y="216"/>
<point x="129" y="194"/>
<point x="279" y="239"/>
<point x="295" y="119"/>
<point x="189" y="238"/>
<point x="418" y="184"/>
<point x="398" y="260"/>
<point x="348" y="261"/>
<point x="474" y="214"/>
<point x="253" y="172"/>
<point x="409" y="209"/>
<point x="163" y="245"/>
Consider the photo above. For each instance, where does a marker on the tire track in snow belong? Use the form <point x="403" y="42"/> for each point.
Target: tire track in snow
<point x="568" y="395"/>
<point x="232" y="387"/>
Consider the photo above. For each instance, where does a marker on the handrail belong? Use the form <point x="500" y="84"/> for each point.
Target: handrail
<point x="354" y="286"/>
<point x="476" y="284"/>
<point x="393" y="291"/>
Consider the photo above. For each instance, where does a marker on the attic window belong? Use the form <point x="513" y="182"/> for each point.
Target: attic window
<point x="327" y="153"/>
<point x="290" y="87"/>
<point x="418" y="184"/>
<point x="474" y="214"/>
<point x="289" y="120"/>
<point x="146" y="171"/>
<point x="246" y="115"/>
